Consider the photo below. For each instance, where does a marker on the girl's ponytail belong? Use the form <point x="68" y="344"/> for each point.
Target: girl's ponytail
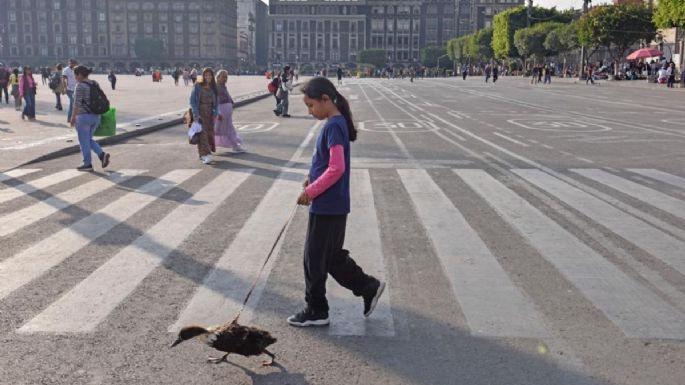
<point x="344" y="108"/>
<point x="317" y="87"/>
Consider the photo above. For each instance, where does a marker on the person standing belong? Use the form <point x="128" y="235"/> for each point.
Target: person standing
<point x="175" y="75"/>
<point x="204" y="103"/>
<point x="327" y="193"/>
<point x="285" y="87"/>
<point x="488" y="70"/>
<point x="112" y="77"/>
<point x="193" y="75"/>
<point x="4" y="83"/>
<point x="548" y="74"/>
<point x="70" y="85"/>
<point x="14" y="87"/>
<point x="225" y="134"/>
<point x="671" y="75"/>
<point x="186" y="76"/>
<point x="59" y="90"/>
<point x="27" y="90"/>
<point x="340" y="76"/>
<point x="86" y="122"/>
<point x="495" y="73"/>
<point x="589" y="75"/>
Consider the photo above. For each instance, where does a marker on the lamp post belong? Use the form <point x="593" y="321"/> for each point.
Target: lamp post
<point x="440" y="57"/>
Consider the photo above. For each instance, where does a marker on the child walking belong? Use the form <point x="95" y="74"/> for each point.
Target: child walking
<point x="225" y="134"/>
<point x="204" y="103"/>
<point x="327" y="192"/>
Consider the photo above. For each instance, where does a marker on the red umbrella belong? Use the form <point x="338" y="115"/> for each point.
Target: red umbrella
<point x="643" y="53"/>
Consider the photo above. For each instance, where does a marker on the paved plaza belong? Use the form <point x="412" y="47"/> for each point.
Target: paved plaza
<point x="529" y="235"/>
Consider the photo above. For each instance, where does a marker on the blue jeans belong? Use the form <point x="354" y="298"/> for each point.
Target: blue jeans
<point x="30" y="105"/>
<point x="70" y="95"/>
<point x="85" y="127"/>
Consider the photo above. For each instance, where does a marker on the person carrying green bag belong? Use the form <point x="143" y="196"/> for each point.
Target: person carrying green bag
<point x="108" y="123"/>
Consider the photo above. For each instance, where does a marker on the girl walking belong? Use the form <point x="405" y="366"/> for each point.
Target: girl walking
<point x="327" y="192"/>
<point x="27" y="90"/>
<point x="86" y="122"/>
<point x="60" y="88"/>
<point x="225" y="134"/>
<point x="204" y="103"/>
<point x="14" y="89"/>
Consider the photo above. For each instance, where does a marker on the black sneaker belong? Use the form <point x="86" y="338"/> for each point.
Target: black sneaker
<point x="85" y="168"/>
<point x="104" y="159"/>
<point x="285" y="116"/>
<point x="277" y="113"/>
<point x="308" y="317"/>
<point x="371" y="299"/>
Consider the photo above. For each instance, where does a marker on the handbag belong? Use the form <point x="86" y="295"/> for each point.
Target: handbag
<point x="194" y="133"/>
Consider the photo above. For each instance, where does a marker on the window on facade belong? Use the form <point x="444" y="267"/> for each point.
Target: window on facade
<point x="163" y="6"/>
<point x="194" y="28"/>
<point x="43" y="51"/>
<point x="28" y="51"/>
<point x="147" y="28"/>
<point x="148" y="6"/>
<point x="56" y="5"/>
<point x="42" y="39"/>
<point x="102" y="16"/>
<point x="179" y="6"/>
<point x="194" y="6"/>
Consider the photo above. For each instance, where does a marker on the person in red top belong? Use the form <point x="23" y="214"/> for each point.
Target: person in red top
<point x="327" y="192"/>
<point x="27" y="90"/>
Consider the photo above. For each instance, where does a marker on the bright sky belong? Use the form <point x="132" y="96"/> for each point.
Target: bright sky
<point x="565" y="4"/>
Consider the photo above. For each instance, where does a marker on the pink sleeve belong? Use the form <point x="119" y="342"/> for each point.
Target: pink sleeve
<point x="335" y="170"/>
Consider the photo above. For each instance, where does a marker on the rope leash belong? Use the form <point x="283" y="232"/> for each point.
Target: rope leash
<point x="268" y="257"/>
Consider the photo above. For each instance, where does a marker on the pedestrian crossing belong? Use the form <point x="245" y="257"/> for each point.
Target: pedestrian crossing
<point x="492" y="303"/>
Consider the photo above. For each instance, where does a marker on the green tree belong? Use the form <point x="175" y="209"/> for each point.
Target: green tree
<point x="431" y="53"/>
<point x="480" y="45"/>
<point x="531" y="41"/>
<point x="562" y="39"/>
<point x="457" y="48"/>
<point x="670" y="13"/>
<point x="616" y="27"/>
<point x="375" y="57"/>
<point x="148" y="48"/>
<point x="506" y="23"/>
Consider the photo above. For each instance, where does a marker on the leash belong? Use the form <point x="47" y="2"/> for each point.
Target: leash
<point x="268" y="257"/>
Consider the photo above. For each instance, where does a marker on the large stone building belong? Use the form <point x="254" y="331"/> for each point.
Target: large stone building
<point x="319" y="32"/>
<point x="103" y="33"/>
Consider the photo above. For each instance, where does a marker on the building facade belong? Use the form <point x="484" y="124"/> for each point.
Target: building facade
<point x="104" y="33"/>
<point x="319" y="32"/>
<point x="247" y="28"/>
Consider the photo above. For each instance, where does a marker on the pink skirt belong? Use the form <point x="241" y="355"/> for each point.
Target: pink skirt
<point x="225" y="134"/>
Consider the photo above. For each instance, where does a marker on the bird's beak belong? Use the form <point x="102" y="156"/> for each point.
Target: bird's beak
<point x="178" y="341"/>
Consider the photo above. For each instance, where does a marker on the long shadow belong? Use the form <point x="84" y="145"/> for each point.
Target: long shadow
<point x="275" y="378"/>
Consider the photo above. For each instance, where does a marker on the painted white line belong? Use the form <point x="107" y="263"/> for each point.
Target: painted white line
<point x="510" y="139"/>
<point x="19" y="219"/>
<point x="637" y="311"/>
<point x="661" y="176"/>
<point x="364" y="243"/>
<point x="221" y="295"/>
<point x="635" y="190"/>
<point x="635" y="231"/>
<point x="12" y="174"/>
<point x="85" y="306"/>
<point x="24" y="146"/>
<point x="27" y="188"/>
<point x="490" y="301"/>
<point x="31" y="263"/>
<point x="584" y="160"/>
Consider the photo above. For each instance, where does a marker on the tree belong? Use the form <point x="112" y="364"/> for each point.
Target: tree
<point x="148" y="48"/>
<point x="616" y="27"/>
<point x="670" y="13"/>
<point x="531" y="41"/>
<point x="480" y="45"/>
<point x="506" y="23"/>
<point x="375" y="57"/>
<point x="431" y="53"/>
<point x="562" y="39"/>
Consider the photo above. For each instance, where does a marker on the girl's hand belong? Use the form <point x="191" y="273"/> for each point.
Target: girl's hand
<point x="304" y="199"/>
<point x="305" y="183"/>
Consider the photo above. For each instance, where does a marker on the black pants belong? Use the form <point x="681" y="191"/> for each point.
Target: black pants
<point x="58" y="101"/>
<point x="323" y="255"/>
<point x="114" y="84"/>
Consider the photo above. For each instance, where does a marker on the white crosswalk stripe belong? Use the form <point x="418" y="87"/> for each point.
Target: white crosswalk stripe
<point x="39" y="258"/>
<point x="632" y="307"/>
<point x="661" y="176"/>
<point x="493" y="306"/>
<point x="365" y="247"/>
<point x="638" y="191"/>
<point x="16" y="173"/>
<point x="19" y="219"/>
<point x="491" y="301"/>
<point x="86" y="305"/>
<point x="27" y="188"/>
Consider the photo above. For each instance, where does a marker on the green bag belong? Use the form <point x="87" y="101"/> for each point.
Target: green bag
<point x="108" y="123"/>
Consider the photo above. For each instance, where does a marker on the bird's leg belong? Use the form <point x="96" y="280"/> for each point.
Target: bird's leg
<point x="270" y="362"/>
<point x="216" y="360"/>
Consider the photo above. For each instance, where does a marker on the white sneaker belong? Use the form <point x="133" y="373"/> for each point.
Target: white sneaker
<point x="239" y="149"/>
<point x="207" y="159"/>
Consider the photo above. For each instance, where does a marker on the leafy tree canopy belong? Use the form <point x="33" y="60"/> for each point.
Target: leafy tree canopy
<point x="670" y="13"/>
<point x="430" y="55"/>
<point x="375" y="57"/>
<point x="148" y="48"/>
<point x="506" y="23"/>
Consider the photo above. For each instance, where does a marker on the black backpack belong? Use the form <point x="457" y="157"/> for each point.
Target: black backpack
<point x="55" y="79"/>
<point x="98" y="100"/>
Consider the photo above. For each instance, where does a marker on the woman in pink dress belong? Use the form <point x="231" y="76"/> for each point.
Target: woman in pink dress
<point x="225" y="134"/>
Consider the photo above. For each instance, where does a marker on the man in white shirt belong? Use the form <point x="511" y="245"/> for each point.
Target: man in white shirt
<point x="70" y="85"/>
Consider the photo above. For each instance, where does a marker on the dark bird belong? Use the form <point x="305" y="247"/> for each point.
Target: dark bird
<point x="231" y="338"/>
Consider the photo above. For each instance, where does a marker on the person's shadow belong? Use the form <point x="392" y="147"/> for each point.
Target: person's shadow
<point x="273" y="378"/>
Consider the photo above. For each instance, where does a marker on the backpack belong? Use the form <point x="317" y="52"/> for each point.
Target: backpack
<point x="98" y="100"/>
<point x="55" y="80"/>
<point x="273" y="85"/>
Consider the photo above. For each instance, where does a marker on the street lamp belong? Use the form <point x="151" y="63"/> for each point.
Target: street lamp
<point x="440" y="57"/>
